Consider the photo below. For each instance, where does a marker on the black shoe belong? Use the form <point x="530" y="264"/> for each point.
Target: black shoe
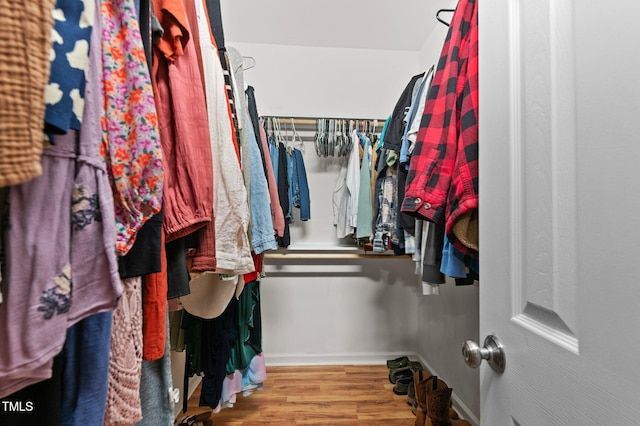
<point x="402" y="385"/>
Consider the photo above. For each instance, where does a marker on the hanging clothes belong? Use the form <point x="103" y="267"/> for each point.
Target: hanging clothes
<point x="413" y="125"/>
<point x="184" y="125"/>
<point x="28" y="27"/>
<point x="395" y="128"/>
<point x="156" y="388"/>
<point x="365" y="208"/>
<point x="261" y="230"/>
<point x="246" y="369"/>
<point x="144" y="257"/>
<point x="283" y="193"/>
<point x="94" y="268"/>
<point x="353" y="182"/>
<point x="340" y="202"/>
<point x="276" y="210"/>
<point x="155" y="288"/>
<point x="130" y="142"/>
<point x="442" y="185"/>
<point x="34" y="317"/>
<point x="77" y="277"/>
<point x="412" y="120"/>
<point x="298" y="185"/>
<point x="428" y="288"/>
<point x="386" y="232"/>
<point x="64" y="95"/>
<point x="262" y="237"/>
<point x="86" y="349"/>
<point x="232" y="215"/>
<point x="218" y="337"/>
<point x="125" y="359"/>
<point x="252" y="107"/>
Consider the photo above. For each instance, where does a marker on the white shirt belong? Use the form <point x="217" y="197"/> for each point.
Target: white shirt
<point x="230" y="203"/>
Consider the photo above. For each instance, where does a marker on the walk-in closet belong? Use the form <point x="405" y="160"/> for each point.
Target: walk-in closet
<point x="243" y="212"/>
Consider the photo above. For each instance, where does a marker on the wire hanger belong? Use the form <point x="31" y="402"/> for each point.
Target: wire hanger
<point x="442" y="20"/>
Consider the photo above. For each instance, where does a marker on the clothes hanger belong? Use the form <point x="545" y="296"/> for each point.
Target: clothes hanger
<point x="331" y="141"/>
<point x="296" y="139"/>
<point x="280" y="136"/>
<point x="320" y="137"/>
<point x="340" y="138"/>
<point x="271" y="137"/>
<point x="442" y="20"/>
<point x="347" y="137"/>
<point x="276" y="130"/>
<point x="336" y="139"/>
<point x="251" y="60"/>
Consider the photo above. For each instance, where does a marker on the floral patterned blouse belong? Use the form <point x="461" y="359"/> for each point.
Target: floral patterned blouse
<point x="130" y="142"/>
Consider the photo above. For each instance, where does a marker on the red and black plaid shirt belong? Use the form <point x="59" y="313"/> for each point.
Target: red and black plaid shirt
<point x="443" y="174"/>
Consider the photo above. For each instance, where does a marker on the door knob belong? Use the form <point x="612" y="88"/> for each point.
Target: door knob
<point x="493" y="352"/>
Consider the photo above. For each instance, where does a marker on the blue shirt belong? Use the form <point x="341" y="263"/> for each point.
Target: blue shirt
<point x="262" y="235"/>
<point x="64" y="96"/>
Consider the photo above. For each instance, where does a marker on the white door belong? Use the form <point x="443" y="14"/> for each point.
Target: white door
<point x="560" y="210"/>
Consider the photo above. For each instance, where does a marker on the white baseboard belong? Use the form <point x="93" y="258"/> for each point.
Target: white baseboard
<point x="458" y="404"/>
<point x="282" y="360"/>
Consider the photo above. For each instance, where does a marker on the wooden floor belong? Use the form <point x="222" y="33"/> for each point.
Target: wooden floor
<point x="323" y="395"/>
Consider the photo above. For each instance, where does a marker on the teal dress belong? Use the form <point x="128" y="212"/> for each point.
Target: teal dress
<point x="249" y="342"/>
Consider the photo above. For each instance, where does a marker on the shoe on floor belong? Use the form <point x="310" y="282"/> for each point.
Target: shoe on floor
<point x="202" y="418"/>
<point x="397" y="362"/>
<point x="402" y="385"/>
<point x="400" y="373"/>
<point x="407" y="370"/>
<point x="411" y="397"/>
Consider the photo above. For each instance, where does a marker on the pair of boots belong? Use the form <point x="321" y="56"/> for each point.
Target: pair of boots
<point x="434" y="402"/>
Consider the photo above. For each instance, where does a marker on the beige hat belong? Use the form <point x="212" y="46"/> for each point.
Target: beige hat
<point x="466" y="229"/>
<point x="210" y="294"/>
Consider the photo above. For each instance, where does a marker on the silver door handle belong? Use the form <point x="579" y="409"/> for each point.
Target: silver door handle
<point x="493" y="352"/>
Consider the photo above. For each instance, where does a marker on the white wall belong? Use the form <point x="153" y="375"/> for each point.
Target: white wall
<point x="338" y="311"/>
<point x="445" y="321"/>
<point x="335" y="311"/>
<point x="327" y="82"/>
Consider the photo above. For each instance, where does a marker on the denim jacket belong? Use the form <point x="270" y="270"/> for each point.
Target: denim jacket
<point x="298" y="185"/>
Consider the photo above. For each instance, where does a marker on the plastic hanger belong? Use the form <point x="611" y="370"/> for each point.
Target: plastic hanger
<point x="296" y="140"/>
<point x="442" y="20"/>
<point x="320" y="137"/>
<point x="251" y="60"/>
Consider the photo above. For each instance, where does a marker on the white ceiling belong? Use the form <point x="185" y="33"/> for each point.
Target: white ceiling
<point x="361" y="24"/>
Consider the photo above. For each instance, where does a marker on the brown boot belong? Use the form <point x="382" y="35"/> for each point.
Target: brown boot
<point x="439" y="409"/>
<point x="420" y="379"/>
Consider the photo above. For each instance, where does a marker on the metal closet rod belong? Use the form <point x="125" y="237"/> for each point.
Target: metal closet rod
<point x="288" y="117"/>
<point x="328" y="256"/>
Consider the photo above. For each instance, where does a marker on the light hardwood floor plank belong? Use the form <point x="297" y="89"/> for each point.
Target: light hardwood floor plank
<point x="318" y="396"/>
